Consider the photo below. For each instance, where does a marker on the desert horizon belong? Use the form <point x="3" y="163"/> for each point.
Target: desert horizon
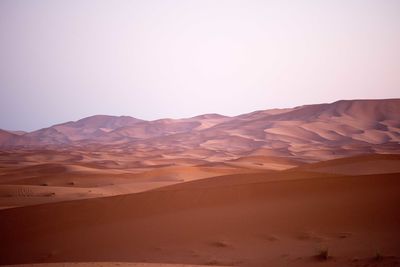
<point x="130" y="116"/>
<point x="314" y="185"/>
<point x="225" y="133"/>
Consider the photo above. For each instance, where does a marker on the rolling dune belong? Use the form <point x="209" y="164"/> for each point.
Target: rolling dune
<point x="371" y="125"/>
<point x="251" y="223"/>
<point x="315" y="185"/>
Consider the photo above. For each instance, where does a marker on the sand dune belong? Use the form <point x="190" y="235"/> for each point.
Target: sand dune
<point x="42" y="176"/>
<point x="264" y="162"/>
<point x="371" y="125"/>
<point x="315" y="185"/>
<point x="359" y="165"/>
<point x="247" y="224"/>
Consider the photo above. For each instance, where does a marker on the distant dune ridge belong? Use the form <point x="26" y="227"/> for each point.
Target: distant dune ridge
<point x="309" y="132"/>
<point x="315" y="185"/>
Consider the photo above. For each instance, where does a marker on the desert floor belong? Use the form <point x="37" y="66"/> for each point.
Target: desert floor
<point x="66" y="209"/>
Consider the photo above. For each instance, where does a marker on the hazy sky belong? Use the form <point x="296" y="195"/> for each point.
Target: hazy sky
<point x="64" y="60"/>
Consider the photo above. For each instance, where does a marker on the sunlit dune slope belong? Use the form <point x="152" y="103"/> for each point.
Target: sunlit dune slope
<point x="311" y="132"/>
<point x="30" y="177"/>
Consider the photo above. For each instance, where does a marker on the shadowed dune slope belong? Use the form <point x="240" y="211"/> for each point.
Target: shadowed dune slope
<point x="247" y="223"/>
<point x="358" y="165"/>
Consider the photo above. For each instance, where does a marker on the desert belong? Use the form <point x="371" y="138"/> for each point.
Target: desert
<point x="314" y="185"/>
<point x="175" y="133"/>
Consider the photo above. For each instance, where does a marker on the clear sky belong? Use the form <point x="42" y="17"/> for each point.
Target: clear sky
<point x="65" y="60"/>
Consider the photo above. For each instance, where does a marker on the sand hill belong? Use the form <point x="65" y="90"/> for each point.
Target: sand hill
<point x="311" y="132"/>
<point x="316" y="185"/>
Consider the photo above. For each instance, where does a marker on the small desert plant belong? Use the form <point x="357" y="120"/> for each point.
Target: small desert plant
<point x="322" y="254"/>
<point x="378" y="256"/>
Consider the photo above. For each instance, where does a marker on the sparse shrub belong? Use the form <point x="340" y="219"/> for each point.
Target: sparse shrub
<point x="378" y="256"/>
<point x="323" y="254"/>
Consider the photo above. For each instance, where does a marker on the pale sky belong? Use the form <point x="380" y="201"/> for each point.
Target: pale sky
<point x="65" y="60"/>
